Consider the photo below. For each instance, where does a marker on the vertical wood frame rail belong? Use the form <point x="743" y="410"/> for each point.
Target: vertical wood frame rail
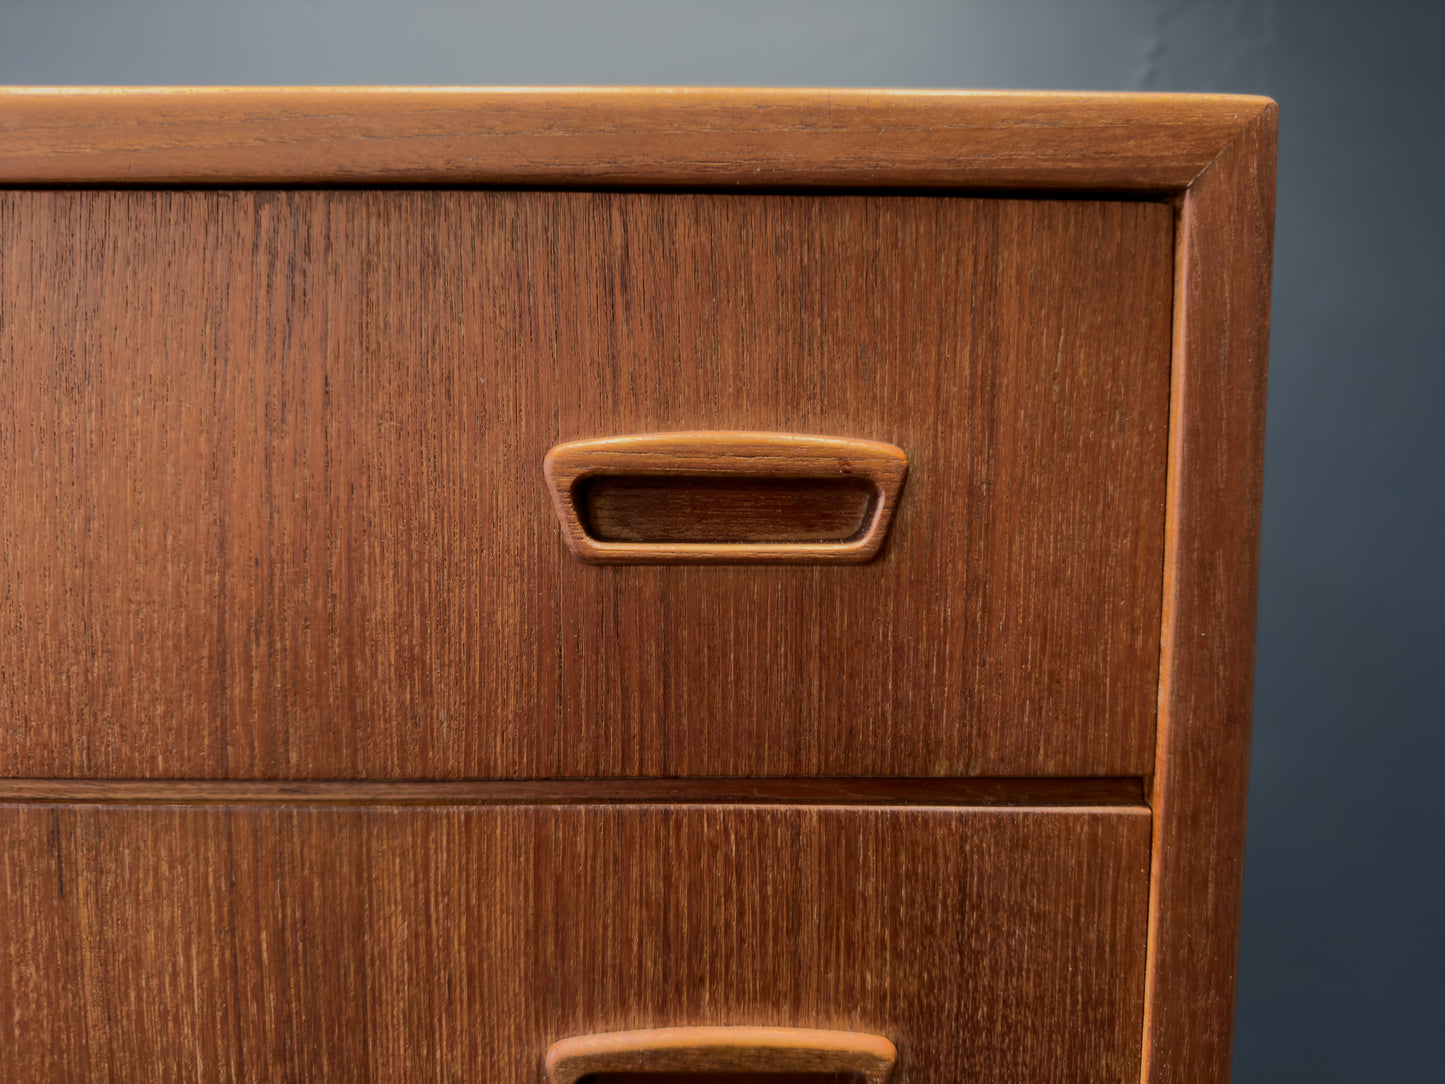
<point x="1224" y="240"/>
<point x="1214" y="155"/>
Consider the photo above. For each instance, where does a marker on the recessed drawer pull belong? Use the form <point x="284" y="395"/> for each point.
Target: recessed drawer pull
<point x="725" y="497"/>
<point x="716" y="1055"/>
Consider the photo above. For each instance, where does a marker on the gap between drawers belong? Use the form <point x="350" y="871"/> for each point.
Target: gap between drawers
<point x="1122" y="791"/>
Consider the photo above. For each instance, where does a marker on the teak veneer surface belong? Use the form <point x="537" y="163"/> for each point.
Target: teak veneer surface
<point x="436" y="944"/>
<point x="274" y="504"/>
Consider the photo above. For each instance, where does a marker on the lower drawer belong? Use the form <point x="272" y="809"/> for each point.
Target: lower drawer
<point x="458" y="943"/>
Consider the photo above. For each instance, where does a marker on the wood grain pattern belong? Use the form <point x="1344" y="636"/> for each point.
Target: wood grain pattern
<point x="275" y="509"/>
<point x="436" y="944"/>
<point x="595" y="136"/>
<point x="1206" y="682"/>
<point x="742" y="1053"/>
<point x="755" y="521"/>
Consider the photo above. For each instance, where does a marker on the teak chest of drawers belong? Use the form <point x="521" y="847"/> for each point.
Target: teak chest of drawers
<point x="325" y="756"/>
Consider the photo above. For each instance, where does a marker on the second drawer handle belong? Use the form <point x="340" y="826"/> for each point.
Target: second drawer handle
<point x="680" y="1053"/>
<point x="725" y="497"/>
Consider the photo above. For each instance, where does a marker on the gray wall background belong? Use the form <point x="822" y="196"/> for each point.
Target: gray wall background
<point x="1343" y="954"/>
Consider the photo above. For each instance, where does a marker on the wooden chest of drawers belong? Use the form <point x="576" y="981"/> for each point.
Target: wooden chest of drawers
<point x="324" y="755"/>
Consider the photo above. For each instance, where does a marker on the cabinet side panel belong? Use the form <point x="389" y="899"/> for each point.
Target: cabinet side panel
<point x="1212" y="548"/>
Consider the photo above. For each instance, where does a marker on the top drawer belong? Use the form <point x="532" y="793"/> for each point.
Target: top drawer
<point x="274" y="507"/>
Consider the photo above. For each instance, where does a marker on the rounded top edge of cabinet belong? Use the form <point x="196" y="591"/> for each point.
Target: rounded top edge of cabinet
<point x="617" y="136"/>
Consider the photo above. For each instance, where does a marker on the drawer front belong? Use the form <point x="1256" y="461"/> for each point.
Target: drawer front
<point x="274" y="501"/>
<point x="274" y="943"/>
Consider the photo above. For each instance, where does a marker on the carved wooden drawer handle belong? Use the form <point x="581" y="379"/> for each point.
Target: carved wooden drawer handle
<point x="665" y="1055"/>
<point x="725" y="497"/>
